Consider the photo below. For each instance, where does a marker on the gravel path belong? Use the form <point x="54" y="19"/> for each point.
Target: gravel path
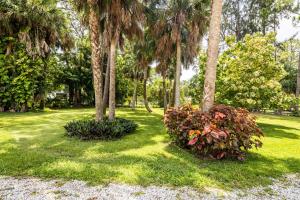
<point x="287" y="187"/>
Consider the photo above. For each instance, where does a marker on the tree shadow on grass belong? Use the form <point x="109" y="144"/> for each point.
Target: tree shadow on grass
<point x="279" y="131"/>
<point x="173" y="167"/>
<point x="39" y="148"/>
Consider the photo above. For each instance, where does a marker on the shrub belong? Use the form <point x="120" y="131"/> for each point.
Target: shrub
<point x="104" y="130"/>
<point x="222" y="132"/>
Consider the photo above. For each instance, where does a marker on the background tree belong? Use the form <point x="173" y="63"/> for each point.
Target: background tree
<point x="288" y="56"/>
<point x="179" y="28"/>
<point x="145" y="54"/>
<point x="241" y="17"/>
<point x="298" y="86"/>
<point x="263" y="89"/>
<point x="124" y="18"/>
<point x="41" y="27"/>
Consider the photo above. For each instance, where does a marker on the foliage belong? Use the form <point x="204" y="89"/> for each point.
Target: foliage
<point x="156" y="92"/>
<point x="57" y="102"/>
<point x="124" y="85"/>
<point x="223" y="132"/>
<point x="20" y="77"/>
<point x="103" y="130"/>
<point x="242" y="17"/>
<point x="289" y="57"/>
<point x="76" y="75"/>
<point x="182" y="20"/>
<point x="38" y="24"/>
<point x="248" y="74"/>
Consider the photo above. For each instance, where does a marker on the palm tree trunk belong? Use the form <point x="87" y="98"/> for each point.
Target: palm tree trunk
<point x="95" y="57"/>
<point x="212" y="53"/>
<point x="106" y="89"/>
<point x="145" y="90"/>
<point x="112" y="79"/>
<point x="165" y="94"/>
<point x="134" y="96"/>
<point x="171" y="93"/>
<point x="298" y="86"/>
<point x="9" y="48"/>
<point x="178" y="72"/>
<point x="71" y="93"/>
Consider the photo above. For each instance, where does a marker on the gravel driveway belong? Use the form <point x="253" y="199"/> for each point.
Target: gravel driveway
<point x="287" y="187"/>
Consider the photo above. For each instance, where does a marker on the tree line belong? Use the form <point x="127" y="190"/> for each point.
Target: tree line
<point x="106" y="52"/>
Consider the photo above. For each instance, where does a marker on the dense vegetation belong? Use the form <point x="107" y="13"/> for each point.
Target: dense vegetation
<point x="251" y="59"/>
<point x="220" y="133"/>
<point x="104" y="130"/>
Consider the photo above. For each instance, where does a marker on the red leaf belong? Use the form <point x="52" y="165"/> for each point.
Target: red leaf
<point x="215" y="134"/>
<point x="206" y="130"/>
<point x="193" y="141"/>
<point x="209" y="139"/>
<point x="219" y="115"/>
<point x="220" y="155"/>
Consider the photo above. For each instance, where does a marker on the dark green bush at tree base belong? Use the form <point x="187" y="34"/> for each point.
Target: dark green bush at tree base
<point x="104" y="130"/>
<point x="222" y="132"/>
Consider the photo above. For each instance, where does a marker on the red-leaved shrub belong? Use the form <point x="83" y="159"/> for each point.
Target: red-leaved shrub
<point x="222" y="132"/>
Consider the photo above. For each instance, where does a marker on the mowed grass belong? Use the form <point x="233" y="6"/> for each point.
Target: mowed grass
<point x="34" y="144"/>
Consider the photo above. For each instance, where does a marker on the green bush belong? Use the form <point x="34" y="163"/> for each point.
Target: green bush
<point x="222" y="132"/>
<point x="104" y="130"/>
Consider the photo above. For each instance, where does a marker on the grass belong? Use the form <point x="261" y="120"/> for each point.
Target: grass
<point x="34" y="144"/>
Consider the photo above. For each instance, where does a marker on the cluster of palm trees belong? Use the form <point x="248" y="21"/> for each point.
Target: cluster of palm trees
<point x="166" y="31"/>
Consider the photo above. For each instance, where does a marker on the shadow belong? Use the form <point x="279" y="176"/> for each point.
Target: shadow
<point x="279" y="131"/>
<point x="35" y="145"/>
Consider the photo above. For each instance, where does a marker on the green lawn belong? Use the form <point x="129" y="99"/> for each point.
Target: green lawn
<point x="34" y="144"/>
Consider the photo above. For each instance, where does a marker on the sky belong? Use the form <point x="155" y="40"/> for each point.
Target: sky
<point x="285" y="31"/>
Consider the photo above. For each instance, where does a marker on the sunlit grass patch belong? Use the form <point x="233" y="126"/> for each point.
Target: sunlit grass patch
<point x="34" y="144"/>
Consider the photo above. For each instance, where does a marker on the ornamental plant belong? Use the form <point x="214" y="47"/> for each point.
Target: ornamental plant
<point x="103" y="130"/>
<point x="222" y="132"/>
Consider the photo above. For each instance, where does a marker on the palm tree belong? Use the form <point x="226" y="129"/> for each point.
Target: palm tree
<point x="298" y="86"/>
<point x="106" y="86"/>
<point x="136" y="75"/>
<point x="162" y="68"/>
<point x="95" y="57"/>
<point x="144" y="50"/>
<point x="180" y="28"/>
<point x="39" y="25"/>
<point x="212" y="53"/>
<point x="124" y="18"/>
<point x="92" y="9"/>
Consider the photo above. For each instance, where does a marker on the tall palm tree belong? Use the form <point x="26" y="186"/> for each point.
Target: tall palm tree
<point x="145" y="50"/>
<point x="95" y="57"/>
<point x="212" y="53"/>
<point x="298" y="86"/>
<point x="180" y="28"/>
<point x="136" y="75"/>
<point x="106" y="86"/>
<point x="162" y="68"/>
<point x="91" y="9"/>
<point x="124" y="18"/>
